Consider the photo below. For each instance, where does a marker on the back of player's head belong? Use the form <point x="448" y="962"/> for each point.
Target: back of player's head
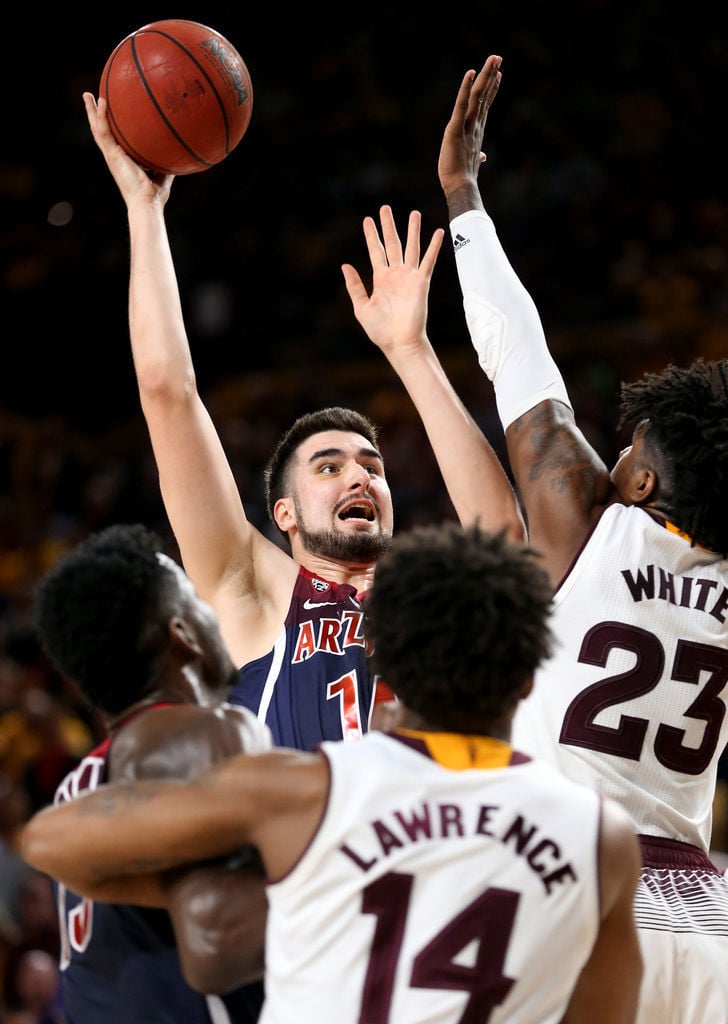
<point x="687" y="411"/>
<point x="101" y="614"/>
<point x="277" y="481"/>
<point x="459" y="621"/>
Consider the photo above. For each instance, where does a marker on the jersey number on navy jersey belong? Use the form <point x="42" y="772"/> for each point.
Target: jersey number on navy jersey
<point x="346" y="691"/>
<point x="75" y="926"/>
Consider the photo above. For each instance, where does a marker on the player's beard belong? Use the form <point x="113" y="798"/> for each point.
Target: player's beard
<point x="363" y="548"/>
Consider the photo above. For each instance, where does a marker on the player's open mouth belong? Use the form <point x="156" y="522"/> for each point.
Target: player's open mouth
<point x="358" y="512"/>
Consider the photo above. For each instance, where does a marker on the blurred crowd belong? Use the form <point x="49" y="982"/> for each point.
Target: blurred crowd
<point x="603" y="183"/>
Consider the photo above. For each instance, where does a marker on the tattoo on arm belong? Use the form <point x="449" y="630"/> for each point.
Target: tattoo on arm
<point x="557" y="455"/>
<point x="109" y="800"/>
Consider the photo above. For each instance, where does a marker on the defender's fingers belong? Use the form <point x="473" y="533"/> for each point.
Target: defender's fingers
<point x="462" y="100"/>
<point x="392" y="242"/>
<point x="431" y="253"/>
<point x="412" y="252"/>
<point x="354" y="286"/>
<point x="377" y="255"/>
<point x="489" y="80"/>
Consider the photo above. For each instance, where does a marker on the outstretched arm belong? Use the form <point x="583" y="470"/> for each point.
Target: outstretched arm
<point x="561" y="479"/>
<point x="273" y="801"/>
<point x="200" y="494"/>
<point x="394" y="317"/>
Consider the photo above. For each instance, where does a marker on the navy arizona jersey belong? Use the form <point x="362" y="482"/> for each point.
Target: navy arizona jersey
<point x="119" y="963"/>
<point x="316" y="683"/>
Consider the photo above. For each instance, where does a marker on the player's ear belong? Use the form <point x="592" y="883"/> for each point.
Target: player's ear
<point x="183" y="635"/>
<point x="284" y="513"/>
<point x="642" y="485"/>
<point x="525" y="691"/>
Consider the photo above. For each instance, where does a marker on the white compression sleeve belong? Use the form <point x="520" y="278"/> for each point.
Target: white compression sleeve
<point x="503" y="321"/>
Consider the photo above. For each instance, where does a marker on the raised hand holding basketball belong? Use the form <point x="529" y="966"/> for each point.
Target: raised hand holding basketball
<point x="131" y="179"/>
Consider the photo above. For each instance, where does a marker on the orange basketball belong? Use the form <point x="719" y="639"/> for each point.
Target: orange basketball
<point x="179" y="96"/>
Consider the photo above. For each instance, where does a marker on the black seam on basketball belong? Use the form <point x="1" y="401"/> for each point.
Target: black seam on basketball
<point x="153" y="98"/>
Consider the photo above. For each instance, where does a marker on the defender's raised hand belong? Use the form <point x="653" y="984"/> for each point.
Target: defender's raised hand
<point x="461" y="154"/>
<point x="396" y="311"/>
<point x="394" y="317"/>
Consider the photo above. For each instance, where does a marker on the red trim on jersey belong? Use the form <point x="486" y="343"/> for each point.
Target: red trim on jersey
<point x="382" y="693"/>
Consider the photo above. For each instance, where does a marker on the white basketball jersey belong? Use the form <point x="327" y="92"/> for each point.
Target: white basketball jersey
<point x="445" y="885"/>
<point x="633" y="700"/>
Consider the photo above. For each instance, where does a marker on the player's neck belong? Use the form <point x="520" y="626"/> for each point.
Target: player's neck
<point x="354" y="573"/>
<point x="177" y="689"/>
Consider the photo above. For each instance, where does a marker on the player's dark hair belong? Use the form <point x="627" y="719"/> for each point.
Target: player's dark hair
<point x="688" y="426"/>
<point x="334" y="418"/>
<point x="101" y="614"/>
<point x="459" y="621"/>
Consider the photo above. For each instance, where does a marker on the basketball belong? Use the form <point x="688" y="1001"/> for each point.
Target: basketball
<point x="179" y="96"/>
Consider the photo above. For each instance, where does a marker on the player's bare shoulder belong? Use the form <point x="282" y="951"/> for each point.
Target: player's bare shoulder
<point x="244" y="728"/>
<point x="181" y="740"/>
